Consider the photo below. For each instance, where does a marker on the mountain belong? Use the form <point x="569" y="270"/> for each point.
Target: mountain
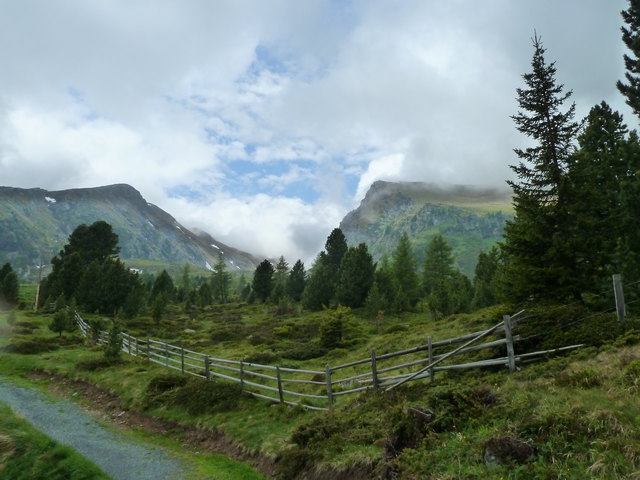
<point x="471" y="219"/>
<point x="36" y="223"/>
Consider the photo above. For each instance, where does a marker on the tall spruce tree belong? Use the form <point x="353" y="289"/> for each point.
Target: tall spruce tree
<point x="537" y="240"/>
<point x="601" y="174"/>
<point x="438" y="264"/>
<point x="405" y="278"/>
<point x="263" y="280"/>
<point x="320" y="288"/>
<point x="220" y="280"/>
<point x="296" y="281"/>
<point x="355" y="276"/>
<point x="631" y="38"/>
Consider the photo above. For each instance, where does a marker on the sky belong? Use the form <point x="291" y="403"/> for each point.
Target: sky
<point x="264" y="122"/>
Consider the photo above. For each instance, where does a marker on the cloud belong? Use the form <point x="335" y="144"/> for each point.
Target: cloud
<point x="264" y="122"/>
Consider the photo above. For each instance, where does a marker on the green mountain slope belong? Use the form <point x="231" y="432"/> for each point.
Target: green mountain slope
<point x="35" y="224"/>
<point x="470" y="219"/>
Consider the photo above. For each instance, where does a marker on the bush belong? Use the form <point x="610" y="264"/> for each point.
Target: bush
<point x="264" y="358"/>
<point x="585" y="378"/>
<point x="165" y="382"/>
<point x="227" y="332"/>
<point x="301" y="351"/>
<point x="632" y="373"/>
<point x="31" y="346"/>
<point x="200" y="397"/>
<point x="93" y="364"/>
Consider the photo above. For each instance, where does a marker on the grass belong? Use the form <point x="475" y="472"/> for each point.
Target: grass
<point x="578" y="412"/>
<point x="27" y="454"/>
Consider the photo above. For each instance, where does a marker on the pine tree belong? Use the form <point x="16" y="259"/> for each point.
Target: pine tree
<point x="9" y="286"/>
<point x="320" y="288"/>
<point x="537" y="240"/>
<point x="405" y="278"/>
<point x="296" y="281"/>
<point x="280" y="280"/>
<point x="438" y="264"/>
<point x="631" y="38"/>
<point x="263" y="281"/>
<point x="335" y="247"/>
<point x="163" y="285"/>
<point x="484" y="293"/>
<point x="600" y="174"/>
<point x="220" y="280"/>
<point x="355" y="276"/>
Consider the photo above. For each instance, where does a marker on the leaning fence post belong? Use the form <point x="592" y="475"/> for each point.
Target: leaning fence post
<point x="430" y="348"/>
<point x="509" y="339"/>
<point x="279" y="378"/>
<point x="327" y="373"/>
<point x="618" y="291"/>
<point x="374" y="369"/>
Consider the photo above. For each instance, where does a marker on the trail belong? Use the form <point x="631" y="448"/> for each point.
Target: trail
<point x="115" y="453"/>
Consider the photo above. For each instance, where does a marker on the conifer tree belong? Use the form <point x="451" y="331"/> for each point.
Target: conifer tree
<point x="484" y="293"/>
<point x="405" y="278"/>
<point x="280" y="280"/>
<point x="438" y="264"/>
<point x="320" y="288"/>
<point x="631" y="38"/>
<point x="263" y="280"/>
<point x="220" y="280"/>
<point x="9" y="286"/>
<point x="355" y="276"/>
<point x="537" y="240"/>
<point x="296" y="281"/>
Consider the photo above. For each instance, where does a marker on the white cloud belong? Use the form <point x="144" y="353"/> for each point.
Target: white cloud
<point x="166" y="95"/>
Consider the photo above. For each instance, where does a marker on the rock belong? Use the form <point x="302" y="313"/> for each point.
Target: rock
<point x="507" y="449"/>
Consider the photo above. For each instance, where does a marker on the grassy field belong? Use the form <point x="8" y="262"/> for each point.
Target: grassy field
<point x="573" y="416"/>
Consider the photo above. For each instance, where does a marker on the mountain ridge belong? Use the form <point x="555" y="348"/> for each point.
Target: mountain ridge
<point x="470" y="218"/>
<point x="35" y="223"/>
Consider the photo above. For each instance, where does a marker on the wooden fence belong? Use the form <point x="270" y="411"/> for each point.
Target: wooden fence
<point x="319" y="390"/>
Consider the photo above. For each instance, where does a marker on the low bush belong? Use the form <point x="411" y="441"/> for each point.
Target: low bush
<point x="200" y="397"/>
<point x="101" y="363"/>
<point x="264" y="358"/>
<point x="302" y="351"/>
<point x="31" y="346"/>
<point x="585" y="378"/>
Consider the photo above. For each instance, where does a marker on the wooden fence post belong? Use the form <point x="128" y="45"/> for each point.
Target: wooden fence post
<point x="149" y="349"/>
<point x="241" y="374"/>
<point x="618" y="291"/>
<point x="129" y="344"/>
<point x="166" y="355"/>
<point x="207" y="373"/>
<point x="509" y="338"/>
<point x="182" y="358"/>
<point x="327" y="373"/>
<point x="280" y="393"/>
<point x="374" y="369"/>
<point x="430" y="348"/>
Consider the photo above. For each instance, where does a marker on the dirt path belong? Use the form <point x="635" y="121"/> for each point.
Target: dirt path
<point x="113" y="452"/>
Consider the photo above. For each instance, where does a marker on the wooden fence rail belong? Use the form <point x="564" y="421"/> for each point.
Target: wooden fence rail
<point x="318" y="390"/>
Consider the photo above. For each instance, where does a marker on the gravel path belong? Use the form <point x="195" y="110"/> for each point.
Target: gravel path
<point x="114" y="453"/>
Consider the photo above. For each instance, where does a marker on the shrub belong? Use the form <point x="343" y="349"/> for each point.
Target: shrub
<point x="93" y="364"/>
<point x="30" y="346"/>
<point x="302" y="351"/>
<point x="264" y="358"/>
<point x="200" y="397"/>
<point x="585" y="378"/>
<point x="396" y="328"/>
<point x="165" y="382"/>
<point x="632" y="373"/>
